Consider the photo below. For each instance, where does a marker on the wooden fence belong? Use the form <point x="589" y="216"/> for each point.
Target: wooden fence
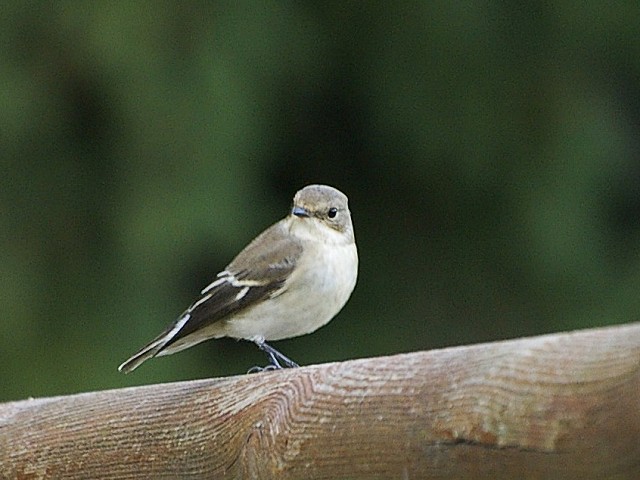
<point x="555" y="406"/>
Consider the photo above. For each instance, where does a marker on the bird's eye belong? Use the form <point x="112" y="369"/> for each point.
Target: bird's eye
<point x="332" y="212"/>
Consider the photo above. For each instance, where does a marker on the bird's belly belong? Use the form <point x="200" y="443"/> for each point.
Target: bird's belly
<point x="308" y="301"/>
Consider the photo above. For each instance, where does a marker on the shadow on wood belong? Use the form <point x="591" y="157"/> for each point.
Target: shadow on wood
<point x="555" y="406"/>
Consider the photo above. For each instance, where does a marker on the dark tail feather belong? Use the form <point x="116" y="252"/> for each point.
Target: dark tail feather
<point x="154" y="347"/>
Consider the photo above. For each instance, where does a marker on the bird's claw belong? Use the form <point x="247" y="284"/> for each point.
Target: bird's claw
<point x="268" y="368"/>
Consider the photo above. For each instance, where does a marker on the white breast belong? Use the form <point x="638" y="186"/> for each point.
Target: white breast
<point x="316" y="291"/>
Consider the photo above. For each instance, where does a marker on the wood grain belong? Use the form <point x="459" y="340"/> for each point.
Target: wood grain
<point x="555" y="406"/>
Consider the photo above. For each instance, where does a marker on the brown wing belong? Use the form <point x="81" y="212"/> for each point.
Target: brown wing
<point x="258" y="272"/>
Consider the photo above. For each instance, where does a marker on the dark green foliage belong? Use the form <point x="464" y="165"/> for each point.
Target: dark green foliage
<point x="490" y="153"/>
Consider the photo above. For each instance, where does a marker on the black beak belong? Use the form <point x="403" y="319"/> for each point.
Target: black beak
<point x="299" y="212"/>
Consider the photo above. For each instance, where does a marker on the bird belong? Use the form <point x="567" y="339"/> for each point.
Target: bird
<point x="289" y="281"/>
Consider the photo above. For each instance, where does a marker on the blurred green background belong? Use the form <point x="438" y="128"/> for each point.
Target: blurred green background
<point x="490" y="151"/>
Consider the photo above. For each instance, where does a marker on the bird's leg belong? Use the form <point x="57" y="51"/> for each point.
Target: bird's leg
<point x="274" y="355"/>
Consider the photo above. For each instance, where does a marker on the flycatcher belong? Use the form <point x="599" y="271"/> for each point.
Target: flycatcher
<point x="290" y="280"/>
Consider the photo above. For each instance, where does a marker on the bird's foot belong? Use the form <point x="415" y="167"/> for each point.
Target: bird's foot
<point x="268" y="368"/>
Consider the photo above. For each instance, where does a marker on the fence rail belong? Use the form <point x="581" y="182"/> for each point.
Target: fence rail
<point x="555" y="406"/>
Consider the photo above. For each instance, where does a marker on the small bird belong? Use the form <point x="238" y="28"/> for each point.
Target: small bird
<point x="290" y="280"/>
